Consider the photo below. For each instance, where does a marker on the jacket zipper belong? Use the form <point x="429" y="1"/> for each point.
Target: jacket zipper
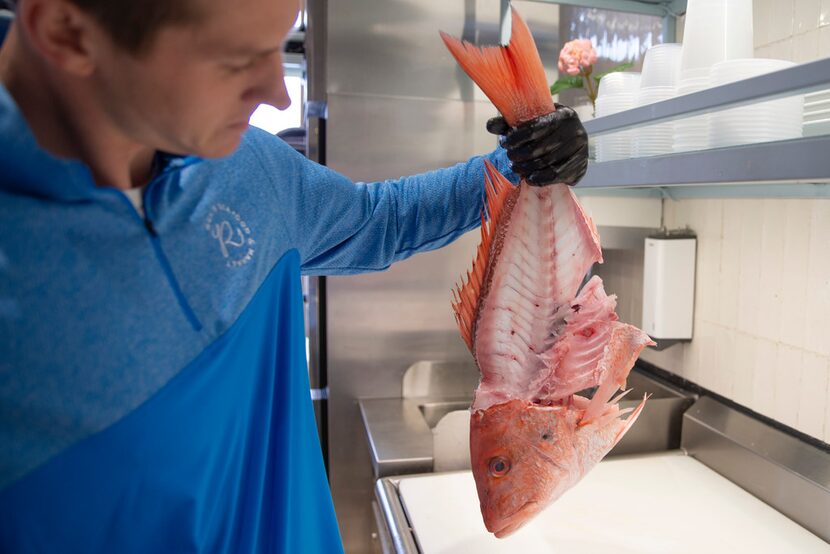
<point x="168" y="271"/>
<point x="161" y="257"/>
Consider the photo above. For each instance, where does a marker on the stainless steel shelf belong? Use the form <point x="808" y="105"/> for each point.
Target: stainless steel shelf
<point x="713" y="190"/>
<point x="798" y="168"/>
<point x="791" y="168"/>
<point x="801" y="79"/>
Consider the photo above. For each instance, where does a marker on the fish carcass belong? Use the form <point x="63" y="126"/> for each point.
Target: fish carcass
<point x="536" y="342"/>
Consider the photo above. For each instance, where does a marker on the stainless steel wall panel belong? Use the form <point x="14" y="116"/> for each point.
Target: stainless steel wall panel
<point x="379" y="137"/>
<point x="544" y="22"/>
<point x="392" y="48"/>
<point x="379" y="324"/>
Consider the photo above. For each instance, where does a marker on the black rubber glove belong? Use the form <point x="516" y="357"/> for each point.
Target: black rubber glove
<point x="552" y="148"/>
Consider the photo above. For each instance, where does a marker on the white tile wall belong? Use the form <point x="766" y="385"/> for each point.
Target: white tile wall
<point x="763" y="271"/>
<point x="762" y="305"/>
<point x="811" y="412"/>
<point x="760" y="32"/>
<point x="795" y="215"/>
<point x="762" y="288"/>
<point x="818" y="281"/>
<point x="805" y="46"/>
<point x="827" y="415"/>
<point x="764" y="382"/>
<point x="781" y="50"/>
<point x="806" y="15"/>
<point x="746" y="350"/>
<point x="771" y="291"/>
<point x="749" y="266"/>
<point x="729" y="266"/>
<point x="787" y="385"/>
<point x="775" y="19"/>
<point x="797" y="30"/>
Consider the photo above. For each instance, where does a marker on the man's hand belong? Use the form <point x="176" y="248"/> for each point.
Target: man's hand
<point x="552" y="148"/>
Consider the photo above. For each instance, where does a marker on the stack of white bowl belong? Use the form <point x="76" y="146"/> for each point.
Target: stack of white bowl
<point x="762" y="122"/>
<point x="692" y="133"/>
<point x="817" y="113"/>
<point x="715" y="30"/>
<point x="617" y="92"/>
<point x="661" y="68"/>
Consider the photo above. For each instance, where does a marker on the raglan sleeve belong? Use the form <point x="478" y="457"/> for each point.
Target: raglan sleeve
<point x="342" y="227"/>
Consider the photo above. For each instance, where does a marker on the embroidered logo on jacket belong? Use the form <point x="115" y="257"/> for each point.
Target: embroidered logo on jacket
<point x="228" y="228"/>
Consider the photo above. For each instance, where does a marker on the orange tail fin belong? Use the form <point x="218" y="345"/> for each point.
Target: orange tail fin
<point x="511" y="76"/>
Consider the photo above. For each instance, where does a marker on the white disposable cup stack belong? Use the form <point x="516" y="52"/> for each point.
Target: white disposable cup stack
<point x="661" y="66"/>
<point x="661" y="69"/>
<point x="619" y="83"/>
<point x="714" y="31"/>
<point x="617" y="92"/>
<point x="779" y="119"/>
<point x="692" y="133"/>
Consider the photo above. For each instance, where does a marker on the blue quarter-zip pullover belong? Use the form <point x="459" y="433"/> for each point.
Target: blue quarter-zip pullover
<point x="154" y="394"/>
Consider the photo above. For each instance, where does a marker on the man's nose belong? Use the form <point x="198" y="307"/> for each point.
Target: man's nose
<point x="281" y="99"/>
<point x="270" y="87"/>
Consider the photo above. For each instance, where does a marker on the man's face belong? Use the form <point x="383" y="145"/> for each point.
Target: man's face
<point x="195" y="87"/>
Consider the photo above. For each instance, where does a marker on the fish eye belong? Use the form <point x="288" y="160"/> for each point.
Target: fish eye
<point x="499" y="466"/>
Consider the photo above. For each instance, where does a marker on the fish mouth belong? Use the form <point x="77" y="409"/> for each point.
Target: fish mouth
<point x="517" y="519"/>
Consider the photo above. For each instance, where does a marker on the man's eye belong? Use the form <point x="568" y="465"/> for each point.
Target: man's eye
<point x="236" y="67"/>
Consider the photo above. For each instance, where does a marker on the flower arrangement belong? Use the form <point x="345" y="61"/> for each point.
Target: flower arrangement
<point x="576" y="65"/>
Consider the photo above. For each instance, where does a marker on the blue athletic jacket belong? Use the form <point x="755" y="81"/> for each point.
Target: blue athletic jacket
<point x="154" y="393"/>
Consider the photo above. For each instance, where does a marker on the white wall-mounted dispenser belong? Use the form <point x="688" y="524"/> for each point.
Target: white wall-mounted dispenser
<point x="669" y="285"/>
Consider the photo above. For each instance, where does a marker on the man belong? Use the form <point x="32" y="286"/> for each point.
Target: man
<point x="153" y="391"/>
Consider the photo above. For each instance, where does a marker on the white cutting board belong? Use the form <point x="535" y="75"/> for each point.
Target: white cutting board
<point x="660" y="504"/>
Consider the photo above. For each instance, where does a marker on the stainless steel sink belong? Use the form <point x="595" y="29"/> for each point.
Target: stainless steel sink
<point x="399" y="430"/>
<point x="434" y="411"/>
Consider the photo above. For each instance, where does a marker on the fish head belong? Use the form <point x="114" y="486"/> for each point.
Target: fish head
<point x="523" y="456"/>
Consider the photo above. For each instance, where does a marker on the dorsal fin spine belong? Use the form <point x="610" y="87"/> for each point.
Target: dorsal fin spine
<point x="467" y="294"/>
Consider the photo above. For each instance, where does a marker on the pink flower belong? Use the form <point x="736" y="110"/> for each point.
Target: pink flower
<point x="577" y="55"/>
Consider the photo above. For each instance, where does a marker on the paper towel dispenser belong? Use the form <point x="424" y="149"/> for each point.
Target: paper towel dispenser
<point x="669" y="286"/>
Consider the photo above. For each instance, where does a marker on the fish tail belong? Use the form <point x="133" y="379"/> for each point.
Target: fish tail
<point x="511" y="76"/>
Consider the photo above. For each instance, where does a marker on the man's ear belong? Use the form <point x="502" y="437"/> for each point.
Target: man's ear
<point x="61" y="33"/>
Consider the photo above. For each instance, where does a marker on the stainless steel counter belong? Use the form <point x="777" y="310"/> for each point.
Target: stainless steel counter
<point x="786" y="474"/>
<point x="783" y="471"/>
